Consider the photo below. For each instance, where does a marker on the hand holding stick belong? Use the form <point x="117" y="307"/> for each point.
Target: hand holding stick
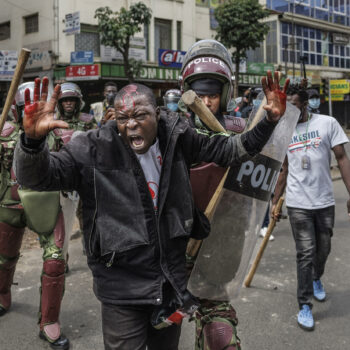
<point x="263" y="245"/>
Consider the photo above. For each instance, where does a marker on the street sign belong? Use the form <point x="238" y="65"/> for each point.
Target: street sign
<point x="83" y="72"/>
<point x="137" y="51"/>
<point x="82" y="57"/>
<point x="8" y="62"/>
<point x="72" y="23"/>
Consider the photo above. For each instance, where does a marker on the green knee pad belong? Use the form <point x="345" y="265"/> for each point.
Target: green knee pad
<point x="41" y="209"/>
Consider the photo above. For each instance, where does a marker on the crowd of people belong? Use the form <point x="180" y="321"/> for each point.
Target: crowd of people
<point x="126" y="171"/>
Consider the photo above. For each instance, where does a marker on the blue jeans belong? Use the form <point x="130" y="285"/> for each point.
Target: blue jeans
<point x="312" y="232"/>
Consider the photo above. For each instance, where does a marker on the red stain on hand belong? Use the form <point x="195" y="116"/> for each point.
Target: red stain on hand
<point x="29" y="111"/>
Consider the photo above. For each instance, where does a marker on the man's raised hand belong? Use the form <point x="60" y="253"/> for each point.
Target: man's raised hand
<point x="39" y="116"/>
<point x="276" y="99"/>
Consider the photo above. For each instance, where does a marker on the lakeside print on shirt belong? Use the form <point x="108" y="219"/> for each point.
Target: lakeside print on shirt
<point x="311" y="139"/>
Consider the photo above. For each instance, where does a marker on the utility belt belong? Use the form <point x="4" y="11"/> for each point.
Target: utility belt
<point x="172" y="312"/>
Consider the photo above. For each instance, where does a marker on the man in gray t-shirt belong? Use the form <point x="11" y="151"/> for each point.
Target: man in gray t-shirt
<point x="309" y="197"/>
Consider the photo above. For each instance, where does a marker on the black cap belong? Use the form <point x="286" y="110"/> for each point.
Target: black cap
<point x="312" y="93"/>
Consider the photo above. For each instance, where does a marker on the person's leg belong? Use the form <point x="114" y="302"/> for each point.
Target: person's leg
<point x="303" y="229"/>
<point x="52" y="286"/>
<point x="125" y="327"/>
<point x="166" y="338"/>
<point x="324" y="231"/>
<point x="12" y="225"/>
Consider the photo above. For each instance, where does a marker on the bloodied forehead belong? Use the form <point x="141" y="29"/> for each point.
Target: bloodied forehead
<point x="132" y="94"/>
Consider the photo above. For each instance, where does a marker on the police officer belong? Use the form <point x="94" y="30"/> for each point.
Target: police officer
<point x="171" y="99"/>
<point x="208" y="70"/>
<point x="41" y="212"/>
<point x="70" y="103"/>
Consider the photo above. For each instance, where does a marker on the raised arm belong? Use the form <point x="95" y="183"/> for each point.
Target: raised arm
<point x="236" y="148"/>
<point x="34" y="166"/>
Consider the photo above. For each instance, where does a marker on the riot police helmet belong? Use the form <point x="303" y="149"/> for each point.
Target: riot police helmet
<point x="171" y="99"/>
<point x="209" y="60"/>
<point x="18" y="106"/>
<point x="71" y="91"/>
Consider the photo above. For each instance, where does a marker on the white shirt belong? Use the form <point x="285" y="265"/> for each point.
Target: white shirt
<point x="312" y="188"/>
<point x="151" y="163"/>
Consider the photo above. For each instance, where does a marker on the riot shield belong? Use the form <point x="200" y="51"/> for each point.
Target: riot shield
<point x="69" y="203"/>
<point x="224" y="256"/>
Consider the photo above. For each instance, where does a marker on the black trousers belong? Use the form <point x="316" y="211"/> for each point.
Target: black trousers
<point x="129" y="328"/>
<point x="312" y="232"/>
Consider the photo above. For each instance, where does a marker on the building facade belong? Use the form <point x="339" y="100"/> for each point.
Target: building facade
<point x="48" y="28"/>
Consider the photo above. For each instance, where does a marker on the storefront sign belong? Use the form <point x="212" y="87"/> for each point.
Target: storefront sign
<point x="313" y="77"/>
<point x="79" y="57"/>
<point x="86" y="72"/>
<point x="171" y="58"/>
<point x="159" y="73"/>
<point x="137" y="51"/>
<point x="72" y="23"/>
<point x="339" y="38"/>
<point x="338" y="87"/>
<point x="259" y="68"/>
<point x="250" y="79"/>
<point x="40" y="56"/>
<point x="147" y="73"/>
<point x="8" y="62"/>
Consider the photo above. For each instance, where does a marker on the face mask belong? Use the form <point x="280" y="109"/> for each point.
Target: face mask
<point x="314" y="103"/>
<point x="172" y="106"/>
<point x="256" y="103"/>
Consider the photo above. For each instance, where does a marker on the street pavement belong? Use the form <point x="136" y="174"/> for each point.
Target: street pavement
<point x="266" y="311"/>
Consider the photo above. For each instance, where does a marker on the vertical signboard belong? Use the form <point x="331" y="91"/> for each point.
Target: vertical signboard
<point x="8" y="62"/>
<point x="72" y="23"/>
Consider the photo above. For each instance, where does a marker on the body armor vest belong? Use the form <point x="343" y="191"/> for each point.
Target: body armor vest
<point x="206" y="177"/>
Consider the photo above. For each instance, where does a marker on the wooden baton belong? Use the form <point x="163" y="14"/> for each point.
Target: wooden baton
<point x="263" y="245"/>
<point x="21" y="64"/>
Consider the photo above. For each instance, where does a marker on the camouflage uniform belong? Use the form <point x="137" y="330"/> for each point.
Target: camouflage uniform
<point x="20" y="208"/>
<point x="209" y="63"/>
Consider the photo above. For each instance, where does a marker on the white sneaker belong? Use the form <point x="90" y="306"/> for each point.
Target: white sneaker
<point x="263" y="233"/>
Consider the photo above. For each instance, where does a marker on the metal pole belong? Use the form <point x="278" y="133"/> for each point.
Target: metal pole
<point x="329" y="98"/>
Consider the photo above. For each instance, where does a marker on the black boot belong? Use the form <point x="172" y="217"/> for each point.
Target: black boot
<point x="2" y="311"/>
<point x="62" y="343"/>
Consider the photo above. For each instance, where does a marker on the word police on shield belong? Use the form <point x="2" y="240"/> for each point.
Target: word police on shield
<point x="255" y="178"/>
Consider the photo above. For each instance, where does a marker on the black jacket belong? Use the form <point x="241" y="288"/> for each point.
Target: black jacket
<point x="132" y="250"/>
